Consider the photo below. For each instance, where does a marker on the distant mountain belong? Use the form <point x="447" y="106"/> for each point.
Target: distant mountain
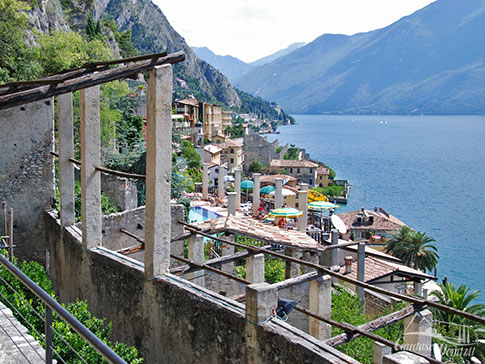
<point x="431" y="62"/>
<point x="276" y="55"/>
<point x="231" y="67"/>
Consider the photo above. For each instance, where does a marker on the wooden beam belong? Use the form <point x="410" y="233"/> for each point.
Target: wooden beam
<point x="132" y="249"/>
<point x="87" y="79"/>
<point x="126" y="60"/>
<point x="375" y="325"/>
<point x="356" y="330"/>
<point x="327" y="270"/>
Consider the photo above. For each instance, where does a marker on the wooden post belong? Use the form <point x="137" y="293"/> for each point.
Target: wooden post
<point x="4" y="209"/>
<point x="11" y="235"/>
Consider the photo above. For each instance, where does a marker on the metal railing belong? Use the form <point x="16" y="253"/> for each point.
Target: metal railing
<point x="51" y="305"/>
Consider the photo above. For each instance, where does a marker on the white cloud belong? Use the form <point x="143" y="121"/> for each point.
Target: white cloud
<point x="251" y="29"/>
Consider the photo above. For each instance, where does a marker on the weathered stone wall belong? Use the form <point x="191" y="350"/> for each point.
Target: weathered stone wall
<point x="169" y="319"/>
<point x="297" y="293"/>
<point x="134" y="222"/>
<point x="257" y="148"/>
<point x="27" y="172"/>
<point x="121" y="191"/>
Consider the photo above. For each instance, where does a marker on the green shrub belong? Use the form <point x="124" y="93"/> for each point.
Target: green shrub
<point x="78" y="309"/>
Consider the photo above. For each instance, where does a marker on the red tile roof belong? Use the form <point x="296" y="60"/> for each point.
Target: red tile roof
<point x="382" y="221"/>
<point x="376" y="268"/>
<point x="263" y="232"/>
<point x="269" y="179"/>
<point x="284" y="163"/>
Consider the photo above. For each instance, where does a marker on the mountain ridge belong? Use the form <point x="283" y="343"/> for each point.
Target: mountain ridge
<point x="428" y="62"/>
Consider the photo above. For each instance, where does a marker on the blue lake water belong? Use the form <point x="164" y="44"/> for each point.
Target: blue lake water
<point x="429" y="171"/>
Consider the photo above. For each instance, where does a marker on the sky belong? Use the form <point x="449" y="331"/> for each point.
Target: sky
<point x="252" y="29"/>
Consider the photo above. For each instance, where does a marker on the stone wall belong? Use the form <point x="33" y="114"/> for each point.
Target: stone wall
<point x="257" y="148"/>
<point x="134" y="222"/>
<point x="121" y="191"/>
<point x="169" y="319"/>
<point x="27" y="172"/>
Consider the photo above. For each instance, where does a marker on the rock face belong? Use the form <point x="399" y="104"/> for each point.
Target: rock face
<point x="432" y="61"/>
<point x="152" y="33"/>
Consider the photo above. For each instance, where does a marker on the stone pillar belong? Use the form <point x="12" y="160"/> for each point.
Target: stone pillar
<point x="278" y="193"/>
<point x="255" y="268"/>
<point x="205" y="181"/>
<point x="66" y="151"/>
<point x="311" y="257"/>
<point x="231" y="203"/>
<point x="90" y="177"/>
<point x="303" y="206"/>
<point x="196" y="254"/>
<point x="228" y="249"/>
<point x="237" y="187"/>
<point x="380" y="350"/>
<point x="361" y="270"/>
<point x="220" y="183"/>
<point x="320" y="303"/>
<point x="418" y="288"/>
<point x="303" y="186"/>
<point x="261" y="298"/>
<point x="158" y="171"/>
<point x="403" y="357"/>
<point x="329" y="258"/>
<point x="256" y="188"/>
<point x="292" y="270"/>
<point x="418" y="330"/>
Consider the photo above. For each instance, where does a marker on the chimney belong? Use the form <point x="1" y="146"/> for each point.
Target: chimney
<point x="375" y="209"/>
<point x="348" y="264"/>
<point x="362" y="209"/>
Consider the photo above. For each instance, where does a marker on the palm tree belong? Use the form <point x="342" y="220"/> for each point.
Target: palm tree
<point x="466" y="332"/>
<point x="414" y="249"/>
<point x="395" y="243"/>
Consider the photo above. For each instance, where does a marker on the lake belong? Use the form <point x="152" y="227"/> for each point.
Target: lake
<point x="428" y="171"/>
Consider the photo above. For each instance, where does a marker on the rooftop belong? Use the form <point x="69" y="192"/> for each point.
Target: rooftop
<point x="382" y="221"/>
<point x="323" y="170"/>
<point x="376" y="269"/>
<point x="283" y="163"/>
<point x="269" y="179"/>
<point x="212" y="149"/>
<point x="263" y="232"/>
<point x="230" y="144"/>
<point x="191" y="102"/>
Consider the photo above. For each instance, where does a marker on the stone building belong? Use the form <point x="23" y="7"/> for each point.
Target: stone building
<point x="257" y="149"/>
<point x="304" y="170"/>
<point x="234" y="153"/>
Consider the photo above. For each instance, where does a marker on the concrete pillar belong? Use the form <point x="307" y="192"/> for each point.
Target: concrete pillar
<point x="303" y="206"/>
<point x="261" y="298"/>
<point x="90" y="159"/>
<point x="292" y="270"/>
<point x="205" y="181"/>
<point x="361" y="270"/>
<point x="278" y="194"/>
<point x="231" y="203"/>
<point x="256" y="188"/>
<point x="228" y="249"/>
<point x="418" y="288"/>
<point x="255" y="268"/>
<point x="158" y="171"/>
<point x="220" y="183"/>
<point x="66" y="151"/>
<point x="237" y="187"/>
<point x="196" y="254"/>
<point x="380" y="350"/>
<point x="329" y="257"/>
<point x="311" y="257"/>
<point x="403" y="357"/>
<point x="418" y="330"/>
<point x="320" y="303"/>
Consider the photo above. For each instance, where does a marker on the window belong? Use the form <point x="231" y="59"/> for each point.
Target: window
<point x="291" y="170"/>
<point x="298" y="170"/>
<point x="311" y="182"/>
<point x="232" y="151"/>
<point x="232" y="160"/>
<point x="311" y="170"/>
